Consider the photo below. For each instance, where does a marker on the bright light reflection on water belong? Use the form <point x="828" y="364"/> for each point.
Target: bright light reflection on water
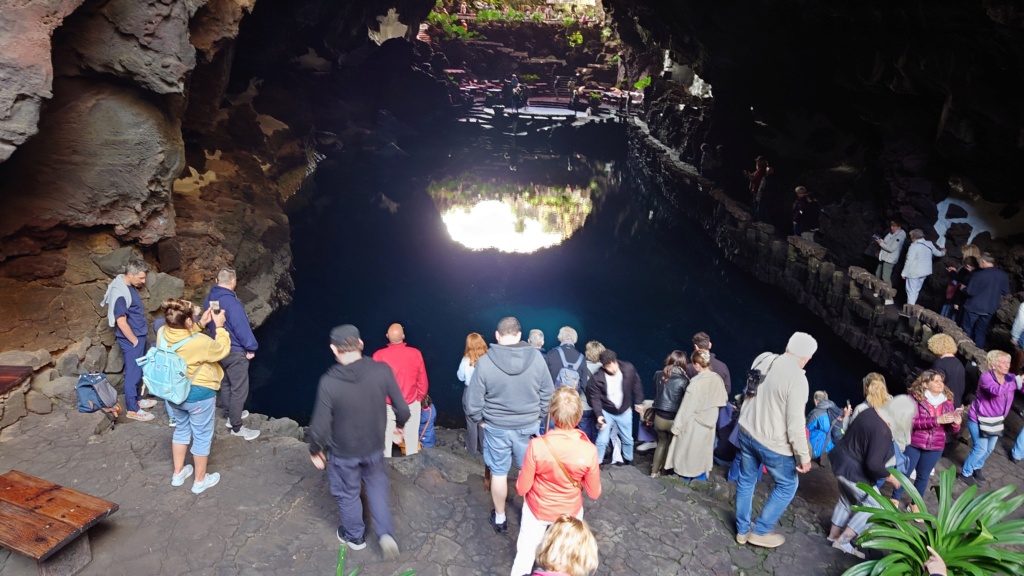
<point x="493" y="224"/>
<point x="511" y="217"/>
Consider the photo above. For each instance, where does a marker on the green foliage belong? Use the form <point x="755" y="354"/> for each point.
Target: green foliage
<point x="568" y="21"/>
<point x="969" y="534"/>
<point x="485" y="16"/>
<point x="642" y="83"/>
<point x="575" y="39"/>
<point x="615" y="59"/>
<point x="537" y="17"/>
<point x="450" y="26"/>
<point x="606" y="34"/>
<point x="529" y="78"/>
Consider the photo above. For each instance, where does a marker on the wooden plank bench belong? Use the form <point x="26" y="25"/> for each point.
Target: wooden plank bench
<point x="13" y="376"/>
<point x="48" y="522"/>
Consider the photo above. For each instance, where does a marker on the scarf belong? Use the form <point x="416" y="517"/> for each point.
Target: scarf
<point x="936" y="400"/>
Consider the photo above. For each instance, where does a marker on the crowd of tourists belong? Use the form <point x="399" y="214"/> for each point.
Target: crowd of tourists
<point x="560" y="416"/>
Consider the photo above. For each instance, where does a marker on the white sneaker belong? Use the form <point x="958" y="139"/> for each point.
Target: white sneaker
<point x="389" y="547"/>
<point x="849" y="549"/>
<point x="179" y="478"/>
<point x="245" y="414"/>
<point x="211" y="480"/>
<point x="246" y="433"/>
<point x="646" y="446"/>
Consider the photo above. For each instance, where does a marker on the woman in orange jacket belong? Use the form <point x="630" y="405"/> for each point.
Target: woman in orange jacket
<point x="556" y="468"/>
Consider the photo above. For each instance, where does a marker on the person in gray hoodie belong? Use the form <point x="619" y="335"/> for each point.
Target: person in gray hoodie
<point x="508" y="394"/>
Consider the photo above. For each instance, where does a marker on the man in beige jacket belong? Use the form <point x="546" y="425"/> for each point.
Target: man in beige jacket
<point x="772" y="435"/>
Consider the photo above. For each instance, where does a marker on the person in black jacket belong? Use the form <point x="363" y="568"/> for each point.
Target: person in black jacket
<point x="348" y="421"/>
<point x="567" y="339"/>
<point x="859" y="457"/>
<point x="614" y="393"/>
<point x="669" y="386"/>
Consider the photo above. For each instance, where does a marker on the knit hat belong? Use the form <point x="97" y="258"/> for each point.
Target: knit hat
<point x="345" y="336"/>
<point x="802" y="345"/>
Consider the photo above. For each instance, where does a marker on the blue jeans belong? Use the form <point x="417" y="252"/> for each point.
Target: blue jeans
<point x="1018" y="447"/>
<point x="981" y="447"/>
<point x="346" y="477"/>
<point x="923" y="462"/>
<point x="781" y="468"/>
<point x="624" y="422"/>
<point x="194" y="424"/>
<point x="976" y="326"/>
<point x="132" y="371"/>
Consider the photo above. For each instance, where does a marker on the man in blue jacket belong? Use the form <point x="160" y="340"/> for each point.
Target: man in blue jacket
<point x="235" y="388"/>
<point x="984" y="296"/>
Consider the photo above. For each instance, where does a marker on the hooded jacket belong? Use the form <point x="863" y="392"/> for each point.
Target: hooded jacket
<point x="349" y="416"/>
<point x="510" y="388"/>
<point x="236" y="322"/>
<point x="819" y="426"/>
<point x="201" y="353"/>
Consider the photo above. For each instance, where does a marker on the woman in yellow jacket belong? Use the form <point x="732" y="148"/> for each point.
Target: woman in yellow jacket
<point x="195" y="416"/>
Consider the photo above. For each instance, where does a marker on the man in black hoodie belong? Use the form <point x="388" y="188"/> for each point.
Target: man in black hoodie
<point x="348" y="420"/>
<point x="509" y="393"/>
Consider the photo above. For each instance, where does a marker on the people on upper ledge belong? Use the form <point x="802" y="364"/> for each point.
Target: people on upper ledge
<point x="759" y="184"/>
<point x="806" y="214"/>
<point x="919" y="263"/>
<point x="984" y="296"/>
<point x="411" y="374"/>
<point x="891" y="246"/>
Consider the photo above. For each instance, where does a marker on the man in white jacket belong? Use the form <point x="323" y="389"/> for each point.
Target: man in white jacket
<point x="919" y="263"/>
<point x="890" y="246"/>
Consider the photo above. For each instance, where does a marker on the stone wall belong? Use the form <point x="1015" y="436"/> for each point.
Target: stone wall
<point x="849" y="300"/>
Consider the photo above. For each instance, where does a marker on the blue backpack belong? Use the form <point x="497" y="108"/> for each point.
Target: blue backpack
<point x="94" y="393"/>
<point x="569" y="375"/>
<point x="165" y="372"/>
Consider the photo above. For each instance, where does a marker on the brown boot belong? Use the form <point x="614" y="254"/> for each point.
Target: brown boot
<point x="487" y="478"/>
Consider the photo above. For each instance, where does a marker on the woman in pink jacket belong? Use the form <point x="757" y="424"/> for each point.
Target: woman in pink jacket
<point x="936" y="416"/>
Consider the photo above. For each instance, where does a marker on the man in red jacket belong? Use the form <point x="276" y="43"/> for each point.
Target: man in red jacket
<point x="407" y="364"/>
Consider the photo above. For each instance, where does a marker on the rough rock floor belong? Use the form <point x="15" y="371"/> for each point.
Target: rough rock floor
<point x="272" y="512"/>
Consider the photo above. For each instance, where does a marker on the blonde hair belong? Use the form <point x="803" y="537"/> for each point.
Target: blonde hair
<point x="593" y="352"/>
<point x="877" y="394"/>
<point x="970" y="250"/>
<point x="701" y="358"/>
<point x="871" y="377"/>
<point x="942" y="344"/>
<point x="569" y="547"/>
<point x="565" y="407"/>
<point x="993" y="356"/>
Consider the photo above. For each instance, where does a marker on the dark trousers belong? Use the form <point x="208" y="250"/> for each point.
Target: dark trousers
<point x="234" y="390"/>
<point x="923" y="462"/>
<point x="588" y="424"/>
<point x="132" y="371"/>
<point x="346" y="476"/>
<point x="976" y="326"/>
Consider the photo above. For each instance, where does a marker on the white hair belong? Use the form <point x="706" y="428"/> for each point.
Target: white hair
<point x="536" y="337"/>
<point x="567" y="334"/>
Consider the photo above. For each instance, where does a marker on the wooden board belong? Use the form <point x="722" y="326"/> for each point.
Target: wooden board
<point x="13" y="376"/>
<point x="38" y="517"/>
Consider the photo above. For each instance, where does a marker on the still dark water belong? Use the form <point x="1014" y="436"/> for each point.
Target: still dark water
<point x="377" y="252"/>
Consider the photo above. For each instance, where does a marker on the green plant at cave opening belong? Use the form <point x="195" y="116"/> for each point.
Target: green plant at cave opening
<point x="575" y="39"/>
<point x="642" y="83"/>
<point x="968" y="533"/>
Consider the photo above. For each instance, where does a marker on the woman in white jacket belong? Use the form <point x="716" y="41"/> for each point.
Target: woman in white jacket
<point x="919" y="263"/>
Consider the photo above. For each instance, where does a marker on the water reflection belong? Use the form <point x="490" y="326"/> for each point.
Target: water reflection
<point x="509" y="216"/>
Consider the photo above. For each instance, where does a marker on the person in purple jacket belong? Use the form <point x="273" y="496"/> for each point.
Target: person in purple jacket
<point x="936" y="416"/>
<point x="235" y="389"/>
<point x="995" y="397"/>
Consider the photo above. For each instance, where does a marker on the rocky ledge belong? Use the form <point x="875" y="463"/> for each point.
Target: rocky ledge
<point x="272" y="512"/>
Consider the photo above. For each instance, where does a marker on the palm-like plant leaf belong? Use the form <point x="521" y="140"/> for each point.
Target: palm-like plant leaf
<point x="970" y="533"/>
